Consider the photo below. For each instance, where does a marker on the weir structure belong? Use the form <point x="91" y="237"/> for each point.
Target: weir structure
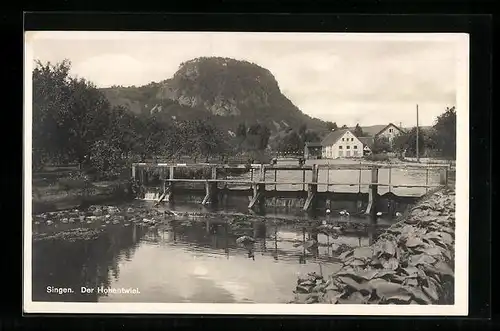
<point x="267" y="181"/>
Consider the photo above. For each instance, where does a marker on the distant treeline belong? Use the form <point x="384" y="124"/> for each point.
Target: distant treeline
<point x="438" y="141"/>
<point x="74" y="122"/>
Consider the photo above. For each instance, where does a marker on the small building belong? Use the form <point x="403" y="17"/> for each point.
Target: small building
<point x="312" y="150"/>
<point x="390" y="131"/>
<point x="341" y="143"/>
<point x="367" y="145"/>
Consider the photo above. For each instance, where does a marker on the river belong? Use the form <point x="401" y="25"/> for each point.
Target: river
<point x="179" y="259"/>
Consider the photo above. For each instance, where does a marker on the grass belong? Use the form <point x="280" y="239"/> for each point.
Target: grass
<point x="60" y="186"/>
<point x="382" y="157"/>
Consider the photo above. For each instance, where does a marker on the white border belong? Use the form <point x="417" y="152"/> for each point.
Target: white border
<point x="462" y="194"/>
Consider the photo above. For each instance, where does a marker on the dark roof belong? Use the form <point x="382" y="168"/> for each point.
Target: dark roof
<point x="333" y="136"/>
<point x="367" y="141"/>
<point x="370" y="130"/>
<point x="388" y="125"/>
<point x="313" y="144"/>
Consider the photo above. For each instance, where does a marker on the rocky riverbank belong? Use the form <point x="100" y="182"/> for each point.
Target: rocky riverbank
<point x="71" y="235"/>
<point x="76" y="195"/>
<point x="412" y="262"/>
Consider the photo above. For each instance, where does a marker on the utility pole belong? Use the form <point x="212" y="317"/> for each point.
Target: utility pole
<point x="418" y="154"/>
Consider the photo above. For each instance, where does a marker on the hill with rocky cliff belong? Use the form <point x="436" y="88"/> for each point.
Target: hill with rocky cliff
<point x="224" y="90"/>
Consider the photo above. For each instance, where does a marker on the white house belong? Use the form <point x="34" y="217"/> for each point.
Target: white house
<point x="367" y="144"/>
<point x="341" y="143"/>
<point x="389" y="132"/>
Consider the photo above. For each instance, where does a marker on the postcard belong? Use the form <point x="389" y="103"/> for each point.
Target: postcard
<point x="246" y="173"/>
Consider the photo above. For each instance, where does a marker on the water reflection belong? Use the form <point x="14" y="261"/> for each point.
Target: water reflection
<point x="90" y="264"/>
<point x="189" y="260"/>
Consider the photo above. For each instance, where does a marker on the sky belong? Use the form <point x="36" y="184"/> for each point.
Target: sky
<point x="370" y="79"/>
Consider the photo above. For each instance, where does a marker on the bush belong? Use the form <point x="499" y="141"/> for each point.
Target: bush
<point x="106" y="160"/>
<point x="382" y="157"/>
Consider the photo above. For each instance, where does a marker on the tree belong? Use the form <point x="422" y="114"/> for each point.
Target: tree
<point x="445" y="132"/>
<point x="73" y="121"/>
<point x="381" y="145"/>
<point x="407" y="142"/>
<point x="51" y="94"/>
<point x="151" y="137"/>
<point x="202" y="140"/>
<point x="400" y="143"/>
<point x="431" y="141"/>
<point x="257" y="137"/>
<point x="171" y="141"/>
<point x="265" y="134"/>
<point x="123" y="131"/>
<point x="87" y="118"/>
<point x="302" y="130"/>
<point x="105" y="158"/>
<point x="311" y="136"/>
<point x="331" y="126"/>
<point x="358" y="131"/>
<point x="69" y="114"/>
<point x="291" y="143"/>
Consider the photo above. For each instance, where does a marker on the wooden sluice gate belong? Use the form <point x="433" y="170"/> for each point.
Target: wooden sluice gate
<point x="215" y="185"/>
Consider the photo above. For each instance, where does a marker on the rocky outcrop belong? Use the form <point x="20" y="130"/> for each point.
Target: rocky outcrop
<point x="411" y="263"/>
<point x="224" y="87"/>
<point x="233" y="91"/>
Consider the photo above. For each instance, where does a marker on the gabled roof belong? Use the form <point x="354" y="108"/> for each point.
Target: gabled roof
<point x="367" y="141"/>
<point x="370" y="130"/>
<point x="388" y="125"/>
<point x="333" y="137"/>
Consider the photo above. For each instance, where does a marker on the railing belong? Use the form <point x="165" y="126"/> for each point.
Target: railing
<point x="352" y="166"/>
<point x="263" y="168"/>
<point x="258" y="180"/>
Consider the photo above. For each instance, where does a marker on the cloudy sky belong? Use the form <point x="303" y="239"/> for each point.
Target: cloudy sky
<point x="367" y="79"/>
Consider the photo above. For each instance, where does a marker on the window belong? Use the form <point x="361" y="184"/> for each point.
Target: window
<point x="348" y="147"/>
<point x="390" y="130"/>
<point x="355" y="147"/>
<point x="341" y="153"/>
<point x="342" y="139"/>
<point x="355" y="153"/>
<point x="340" y="147"/>
<point x="352" y="139"/>
<point x="348" y="153"/>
